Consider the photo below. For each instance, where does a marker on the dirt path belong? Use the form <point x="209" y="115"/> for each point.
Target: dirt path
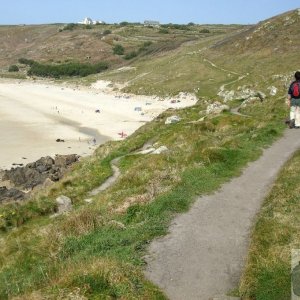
<point x="204" y="253"/>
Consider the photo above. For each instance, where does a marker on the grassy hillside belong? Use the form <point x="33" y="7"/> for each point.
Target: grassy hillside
<point x="96" y="251"/>
<point x="258" y="53"/>
<point x="61" y="43"/>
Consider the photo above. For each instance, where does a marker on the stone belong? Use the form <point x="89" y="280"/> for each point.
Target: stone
<point x="48" y="182"/>
<point x="217" y="108"/>
<point x="64" y="204"/>
<point x="160" y="150"/>
<point x="89" y="200"/>
<point x="10" y="194"/>
<point x="41" y="173"/>
<point x="226" y="95"/>
<point x="147" y="151"/>
<point x="273" y="90"/>
<point x="65" y="160"/>
<point x="172" y="120"/>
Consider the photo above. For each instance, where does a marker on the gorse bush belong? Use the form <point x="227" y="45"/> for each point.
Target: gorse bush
<point x="204" y="31"/>
<point x="70" y="26"/>
<point x="67" y="69"/>
<point x="118" y="49"/>
<point x="106" y="32"/>
<point x="13" y="68"/>
<point x="164" y="31"/>
<point x="145" y="46"/>
<point x="130" y="55"/>
<point x="176" y="26"/>
<point x="25" y="61"/>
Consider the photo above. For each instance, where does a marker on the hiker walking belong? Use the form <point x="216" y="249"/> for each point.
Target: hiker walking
<point x="294" y="102"/>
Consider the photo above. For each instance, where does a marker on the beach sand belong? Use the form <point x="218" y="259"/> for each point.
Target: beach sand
<point x="34" y="114"/>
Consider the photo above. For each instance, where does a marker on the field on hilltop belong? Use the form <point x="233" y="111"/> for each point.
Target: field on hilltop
<point x="240" y="76"/>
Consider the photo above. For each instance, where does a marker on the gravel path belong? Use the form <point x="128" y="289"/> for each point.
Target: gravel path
<point x="204" y="253"/>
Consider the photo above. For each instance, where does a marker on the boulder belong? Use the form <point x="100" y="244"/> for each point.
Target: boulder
<point x="65" y="160"/>
<point x="64" y="204"/>
<point x="160" y="150"/>
<point x="24" y="177"/>
<point x="48" y="182"/>
<point x="43" y="172"/>
<point x="146" y="151"/>
<point x="273" y="90"/>
<point x="44" y="164"/>
<point x="10" y="194"/>
<point x="172" y="120"/>
<point x="216" y="108"/>
<point x="226" y="95"/>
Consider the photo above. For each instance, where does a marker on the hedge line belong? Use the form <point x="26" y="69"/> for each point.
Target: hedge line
<point x="68" y="69"/>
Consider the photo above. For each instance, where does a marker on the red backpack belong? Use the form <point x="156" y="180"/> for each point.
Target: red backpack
<point x="296" y="89"/>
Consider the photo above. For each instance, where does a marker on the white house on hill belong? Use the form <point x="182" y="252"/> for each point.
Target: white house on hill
<point x="89" y="21"/>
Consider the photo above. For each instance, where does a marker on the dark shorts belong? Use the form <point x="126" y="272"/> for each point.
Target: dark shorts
<point x="295" y="102"/>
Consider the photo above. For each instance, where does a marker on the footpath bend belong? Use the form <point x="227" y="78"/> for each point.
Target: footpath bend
<point x="204" y="253"/>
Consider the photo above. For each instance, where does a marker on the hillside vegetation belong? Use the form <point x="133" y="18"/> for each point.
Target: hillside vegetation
<point x="97" y="251"/>
<point x="60" y="43"/>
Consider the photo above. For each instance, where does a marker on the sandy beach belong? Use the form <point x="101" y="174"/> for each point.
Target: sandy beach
<point x="33" y="115"/>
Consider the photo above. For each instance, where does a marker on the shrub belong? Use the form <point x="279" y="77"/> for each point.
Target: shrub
<point x="88" y="27"/>
<point x="176" y="26"/>
<point x="13" y="68"/>
<point x="124" y="23"/>
<point x="164" y="31"/>
<point x="130" y="55"/>
<point x="118" y="49"/>
<point x="204" y="31"/>
<point x="25" y="61"/>
<point x="145" y="46"/>
<point x="67" y="69"/>
<point x="106" y="32"/>
<point x="70" y="26"/>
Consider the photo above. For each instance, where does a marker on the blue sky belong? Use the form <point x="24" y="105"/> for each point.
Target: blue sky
<point x="165" y="11"/>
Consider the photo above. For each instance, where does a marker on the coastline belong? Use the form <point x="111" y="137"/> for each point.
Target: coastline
<point x="33" y="115"/>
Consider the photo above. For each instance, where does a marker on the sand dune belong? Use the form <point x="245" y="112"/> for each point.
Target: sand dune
<point x="34" y="115"/>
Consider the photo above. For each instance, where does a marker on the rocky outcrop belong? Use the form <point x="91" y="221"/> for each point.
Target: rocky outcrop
<point x="40" y="173"/>
<point x="216" y="108"/>
<point x="243" y="93"/>
<point x="8" y="194"/>
<point x="172" y="120"/>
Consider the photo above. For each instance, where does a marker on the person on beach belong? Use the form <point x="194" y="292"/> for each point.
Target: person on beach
<point x="293" y="101"/>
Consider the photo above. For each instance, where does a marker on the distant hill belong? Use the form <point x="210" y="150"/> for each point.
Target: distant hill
<point x="73" y="42"/>
<point x="277" y="34"/>
<point x="270" y="47"/>
<point x="168" y="59"/>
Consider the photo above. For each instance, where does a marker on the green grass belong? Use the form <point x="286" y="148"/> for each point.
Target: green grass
<point x="267" y="275"/>
<point x="110" y="236"/>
